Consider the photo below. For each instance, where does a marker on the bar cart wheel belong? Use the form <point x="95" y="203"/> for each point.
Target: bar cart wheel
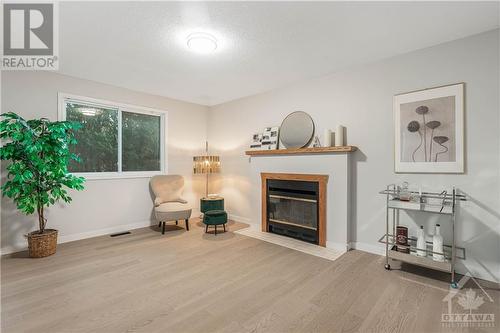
<point x="454" y="285"/>
<point x="388" y="267"/>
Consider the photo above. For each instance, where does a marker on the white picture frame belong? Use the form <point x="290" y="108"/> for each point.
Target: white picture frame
<point x="429" y="130"/>
<point x="270" y="138"/>
<point x="256" y="143"/>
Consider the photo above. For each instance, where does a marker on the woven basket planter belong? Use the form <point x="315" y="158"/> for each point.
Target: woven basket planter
<point x="42" y="245"/>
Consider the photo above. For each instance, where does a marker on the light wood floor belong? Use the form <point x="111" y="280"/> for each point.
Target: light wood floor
<point x="196" y="282"/>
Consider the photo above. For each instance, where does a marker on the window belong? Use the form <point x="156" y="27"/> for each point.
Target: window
<point x="116" y="139"/>
<point x="97" y="139"/>
<point x="140" y="142"/>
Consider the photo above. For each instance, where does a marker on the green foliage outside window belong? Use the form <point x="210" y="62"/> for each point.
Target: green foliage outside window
<point x="141" y="142"/>
<point x="97" y="139"/>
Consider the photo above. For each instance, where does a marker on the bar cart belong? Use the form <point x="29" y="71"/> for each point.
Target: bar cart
<point x="431" y="202"/>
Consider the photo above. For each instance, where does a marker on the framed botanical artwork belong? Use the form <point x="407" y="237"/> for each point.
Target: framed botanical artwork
<point x="429" y="130"/>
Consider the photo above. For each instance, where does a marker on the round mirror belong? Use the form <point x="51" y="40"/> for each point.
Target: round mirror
<point x="297" y="130"/>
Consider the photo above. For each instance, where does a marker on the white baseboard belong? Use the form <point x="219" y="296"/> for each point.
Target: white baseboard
<point x="13" y="248"/>
<point x="105" y="231"/>
<point x="82" y="235"/>
<point x="337" y="246"/>
<point x="237" y="218"/>
<point x="375" y="248"/>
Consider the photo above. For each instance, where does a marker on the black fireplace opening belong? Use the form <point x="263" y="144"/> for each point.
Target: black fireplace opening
<point x="292" y="209"/>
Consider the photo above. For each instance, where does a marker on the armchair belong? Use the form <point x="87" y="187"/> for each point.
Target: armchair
<point x="168" y="204"/>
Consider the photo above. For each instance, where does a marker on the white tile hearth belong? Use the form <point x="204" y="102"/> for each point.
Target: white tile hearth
<point x="291" y="243"/>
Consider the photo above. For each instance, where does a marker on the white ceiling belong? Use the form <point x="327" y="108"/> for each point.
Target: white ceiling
<point x="262" y="45"/>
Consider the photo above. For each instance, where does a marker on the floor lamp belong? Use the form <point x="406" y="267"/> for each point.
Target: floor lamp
<point x="206" y="164"/>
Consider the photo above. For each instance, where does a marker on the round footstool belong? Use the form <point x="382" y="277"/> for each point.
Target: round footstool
<point x="215" y="218"/>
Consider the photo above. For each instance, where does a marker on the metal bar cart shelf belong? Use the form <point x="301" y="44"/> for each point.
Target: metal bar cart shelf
<point x="425" y="260"/>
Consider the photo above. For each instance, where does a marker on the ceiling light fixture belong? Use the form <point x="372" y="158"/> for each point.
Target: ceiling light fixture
<point x="201" y="42"/>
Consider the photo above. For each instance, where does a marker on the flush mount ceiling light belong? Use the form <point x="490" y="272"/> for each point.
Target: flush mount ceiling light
<point x="201" y="42"/>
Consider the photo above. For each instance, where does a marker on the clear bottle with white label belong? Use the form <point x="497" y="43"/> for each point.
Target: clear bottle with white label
<point x="437" y="244"/>
<point x="421" y="245"/>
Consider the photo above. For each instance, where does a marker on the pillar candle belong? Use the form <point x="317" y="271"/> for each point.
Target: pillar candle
<point x="327" y="138"/>
<point x="339" y="136"/>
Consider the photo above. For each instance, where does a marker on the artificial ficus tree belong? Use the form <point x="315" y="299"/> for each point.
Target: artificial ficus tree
<point x="38" y="150"/>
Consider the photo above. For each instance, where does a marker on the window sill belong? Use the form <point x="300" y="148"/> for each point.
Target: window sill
<point x="117" y="175"/>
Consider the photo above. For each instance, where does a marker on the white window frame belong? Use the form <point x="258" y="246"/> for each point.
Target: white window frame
<point x="63" y="98"/>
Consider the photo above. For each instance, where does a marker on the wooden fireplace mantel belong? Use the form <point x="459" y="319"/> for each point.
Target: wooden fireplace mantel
<point x="322" y="180"/>
<point x="303" y="151"/>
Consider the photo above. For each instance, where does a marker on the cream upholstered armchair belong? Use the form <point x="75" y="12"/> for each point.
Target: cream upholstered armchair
<point x="169" y="206"/>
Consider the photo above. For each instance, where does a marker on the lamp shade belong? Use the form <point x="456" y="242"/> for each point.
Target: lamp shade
<point x="206" y="164"/>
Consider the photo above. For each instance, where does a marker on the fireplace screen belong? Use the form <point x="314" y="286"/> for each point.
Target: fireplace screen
<point x="294" y="211"/>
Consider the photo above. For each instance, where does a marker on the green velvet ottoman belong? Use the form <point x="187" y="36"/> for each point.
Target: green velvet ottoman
<point x="215" y="218"/>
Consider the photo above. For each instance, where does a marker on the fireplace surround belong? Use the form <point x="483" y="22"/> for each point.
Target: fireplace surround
<point x="294" y="205"/>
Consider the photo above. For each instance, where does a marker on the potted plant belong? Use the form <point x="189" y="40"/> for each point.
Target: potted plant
<point x="37" y="176"/>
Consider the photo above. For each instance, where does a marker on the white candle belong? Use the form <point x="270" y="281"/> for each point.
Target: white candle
<point x="339" y="136"/>
<point x="327" y="138"/>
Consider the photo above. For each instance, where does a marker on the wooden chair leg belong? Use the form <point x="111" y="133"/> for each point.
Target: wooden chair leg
<point x="224" y="225"/>
<point x="215" y="229"/>
<point x="176" y="222"/>
<point x="187" y="224"/>
<point x="206" y="228"/>
<point x="159" y="224"/>
<point x="163" y="229"/>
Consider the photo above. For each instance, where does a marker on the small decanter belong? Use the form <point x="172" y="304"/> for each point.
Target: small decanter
<point x="421" y="245"/>
<point x="437" y="244"/>
<point x="405" y="194"/>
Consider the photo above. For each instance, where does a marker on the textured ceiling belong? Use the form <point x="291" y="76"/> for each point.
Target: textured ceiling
<point x="262" y="45"/>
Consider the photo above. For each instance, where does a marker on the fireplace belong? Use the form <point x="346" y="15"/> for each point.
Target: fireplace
<point x="292" y="209"/>
<point x="293" y="205"/>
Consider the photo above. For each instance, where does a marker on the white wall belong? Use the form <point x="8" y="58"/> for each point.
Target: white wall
<point x="361" y="99"/>
<point x="105" y="205"/>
